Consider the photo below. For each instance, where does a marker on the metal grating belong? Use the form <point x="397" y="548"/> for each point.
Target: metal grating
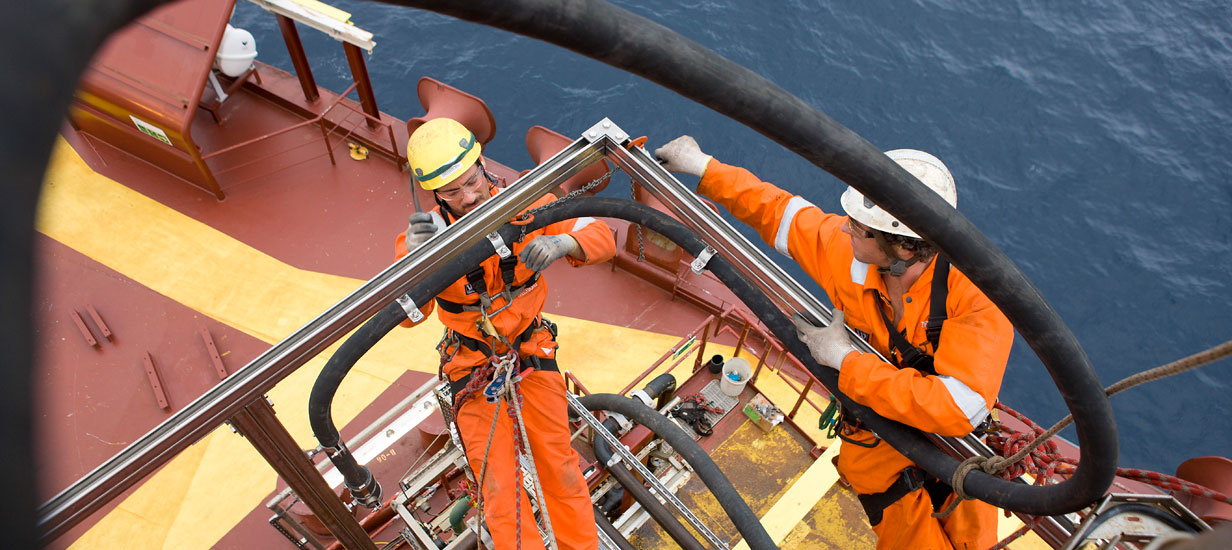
<point x="717" y="398"/>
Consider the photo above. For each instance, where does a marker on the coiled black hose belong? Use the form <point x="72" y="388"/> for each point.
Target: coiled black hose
<point x="1063" y="497"/>
<point x="729" y="498"/>
<point x="635" y="44"/>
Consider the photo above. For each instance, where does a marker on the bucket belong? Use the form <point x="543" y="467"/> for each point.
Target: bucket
<point x="736" y="373"/>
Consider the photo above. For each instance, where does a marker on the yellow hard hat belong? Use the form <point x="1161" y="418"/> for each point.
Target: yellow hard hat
<point x="439" y="151"/>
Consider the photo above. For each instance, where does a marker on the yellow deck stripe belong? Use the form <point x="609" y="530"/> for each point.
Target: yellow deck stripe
<point x="201" y="494"/>
<point x="803" y="495"/>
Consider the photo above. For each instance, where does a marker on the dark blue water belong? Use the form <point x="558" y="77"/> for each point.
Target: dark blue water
<point x="1091" y="141"/>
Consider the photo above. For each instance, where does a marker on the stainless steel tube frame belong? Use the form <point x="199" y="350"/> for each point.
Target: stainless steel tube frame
<point x="216" y="405"/>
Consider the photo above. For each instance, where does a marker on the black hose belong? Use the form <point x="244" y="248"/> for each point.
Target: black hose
<point x="729" y="498"/>
<point x="339" y="364"/>
<point x="612" y="499"/>
<point x="1058" y="499"/>
<point x="629" y="482"/>
<point x="661" y="388"/>
<point x="656" y="509"/>
<point x="626" y="41"/>
<point x="606" y="526"/>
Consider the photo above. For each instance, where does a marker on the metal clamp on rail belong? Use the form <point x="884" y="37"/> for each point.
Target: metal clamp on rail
<point x="699" y="263"/>
<point x="498" y="244"/>
<point x="412" y="310"/>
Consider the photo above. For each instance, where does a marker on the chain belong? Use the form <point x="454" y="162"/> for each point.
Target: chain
<point x="641" y="247"/>
<point x="530" y="214"/>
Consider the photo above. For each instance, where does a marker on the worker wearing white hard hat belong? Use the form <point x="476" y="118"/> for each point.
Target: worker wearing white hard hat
<point x="947" y="342"/>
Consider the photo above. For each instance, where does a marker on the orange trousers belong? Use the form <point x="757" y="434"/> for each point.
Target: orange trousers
<point x="908" y="524"/>
<point x="544" y="411"/>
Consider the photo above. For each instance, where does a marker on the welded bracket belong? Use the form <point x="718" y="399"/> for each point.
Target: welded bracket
<point x="605" y="129"/>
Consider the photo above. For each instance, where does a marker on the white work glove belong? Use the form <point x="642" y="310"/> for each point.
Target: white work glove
<point x="545" y="249"/>
<point x="829" y="345"/>
<point x="422" y="227"/>
<point x="684" y="156"/>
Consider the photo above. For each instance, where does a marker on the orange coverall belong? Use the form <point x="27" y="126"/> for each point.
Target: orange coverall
<point x="970" y="362"/>
<point x="544" y="408"/>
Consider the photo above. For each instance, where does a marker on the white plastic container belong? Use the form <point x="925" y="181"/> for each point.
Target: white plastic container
<point x="235" y="52"/>
<point x="741" y="370"/>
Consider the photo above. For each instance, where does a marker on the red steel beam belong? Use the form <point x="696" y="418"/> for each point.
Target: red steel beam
<point x="155" y="382"/>
<point x="85" y="331"/>
<point x="214" y="355"/>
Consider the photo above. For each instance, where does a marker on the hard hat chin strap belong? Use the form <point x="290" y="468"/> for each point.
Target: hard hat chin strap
<point x="898" y="266"/>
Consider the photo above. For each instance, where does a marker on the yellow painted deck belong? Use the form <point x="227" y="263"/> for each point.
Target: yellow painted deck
<point x="183" y="259"/>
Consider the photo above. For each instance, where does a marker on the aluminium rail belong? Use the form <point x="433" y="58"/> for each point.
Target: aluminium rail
<point x="248" y="384"/>
<point x="754" y="265"/>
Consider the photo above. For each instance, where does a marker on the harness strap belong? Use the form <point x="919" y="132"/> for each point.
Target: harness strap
<point x="911" y="479"/>
<point x="538" y="363"/>
<point x="909" y="355"/>
<point x="936" y="306"/>
<point x="456" y="308"/>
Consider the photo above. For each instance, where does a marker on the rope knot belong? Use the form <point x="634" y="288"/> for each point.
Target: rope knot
<point x="994" y="465"/>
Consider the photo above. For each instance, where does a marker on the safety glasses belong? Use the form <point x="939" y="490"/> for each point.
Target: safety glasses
<point x="474" y="184"/>
<point x="858" y="229"/>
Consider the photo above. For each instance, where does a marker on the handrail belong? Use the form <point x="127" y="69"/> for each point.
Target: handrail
<point x="321" y="119"/>
<point x="295" y="126"/>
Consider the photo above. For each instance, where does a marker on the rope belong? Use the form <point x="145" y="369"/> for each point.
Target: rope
<point x="1052" y="459"/>
<point x="516" y="407"/>
<point x="505" y="366"/>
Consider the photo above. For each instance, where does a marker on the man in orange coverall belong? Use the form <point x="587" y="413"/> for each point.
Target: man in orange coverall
<point x="493" y="308"/>
<point x="879" y="274"/>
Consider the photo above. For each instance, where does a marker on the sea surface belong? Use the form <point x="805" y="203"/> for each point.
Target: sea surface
<point x="1091" y="141"/>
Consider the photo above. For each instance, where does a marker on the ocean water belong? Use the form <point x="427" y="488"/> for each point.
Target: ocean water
<point x="1091" y="141"/>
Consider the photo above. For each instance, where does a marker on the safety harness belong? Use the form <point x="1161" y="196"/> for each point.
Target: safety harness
<point x="907" y="356"/>
<point x="498" y="377"/>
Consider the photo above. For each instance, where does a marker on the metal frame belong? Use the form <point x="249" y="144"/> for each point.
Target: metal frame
<point x="623" y="454"/>
<point x="605" y="140"/>
<point x="218" y="404"/>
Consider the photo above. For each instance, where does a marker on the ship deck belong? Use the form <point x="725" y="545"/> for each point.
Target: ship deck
<point x="171" y="271"/>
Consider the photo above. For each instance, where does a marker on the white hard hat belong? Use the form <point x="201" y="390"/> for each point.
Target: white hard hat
<point x="923" y="166"/>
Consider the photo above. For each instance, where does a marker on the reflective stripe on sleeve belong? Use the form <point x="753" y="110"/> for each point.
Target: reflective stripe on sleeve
<point x="971" y="403"/>
<point x="794" y="206"/>
<point x="582" y="222"/>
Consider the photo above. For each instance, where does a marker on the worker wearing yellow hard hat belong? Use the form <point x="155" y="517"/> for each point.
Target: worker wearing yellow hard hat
<point x="493" y="315"/>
